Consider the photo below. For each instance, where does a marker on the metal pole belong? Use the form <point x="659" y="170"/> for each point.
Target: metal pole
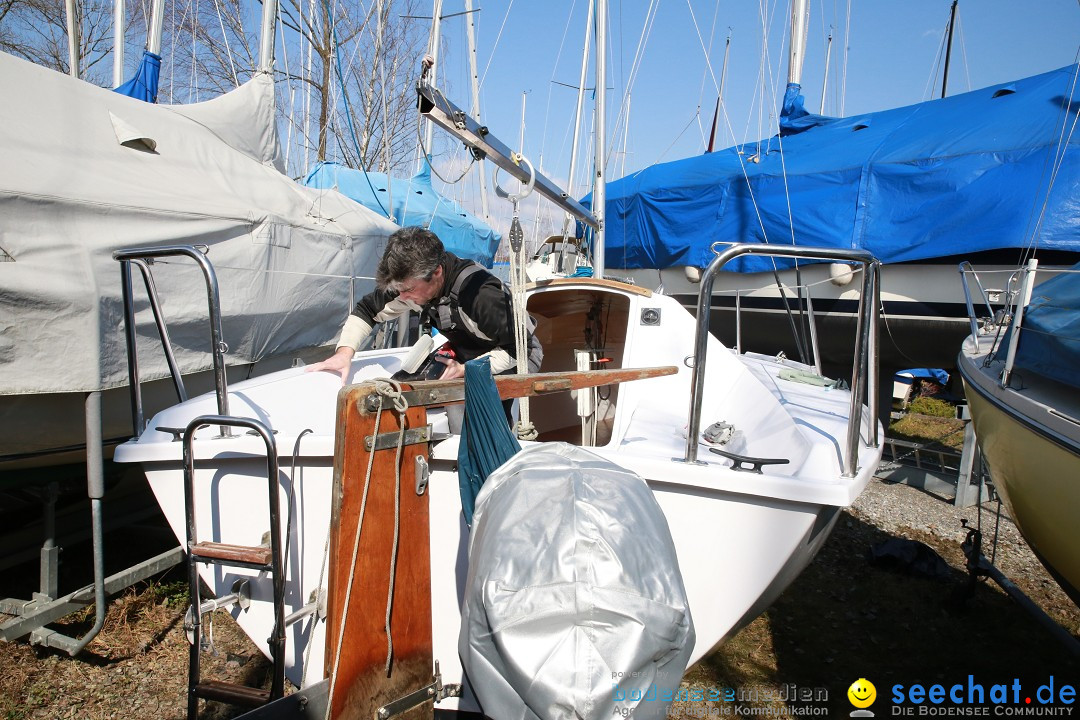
<point x="1018" y="317"/>
<point x="157" y="19"/>
<point x="119" y="21"/>
<point x="162" y="328"/>
<point x="858" y="375"/>
<point x="872" y="355"/>
<point x="433" y="72"/>
<point x="218" y="346"/>
<point x="50" y="553"/>
<point x="74" y="36"/>
<point x="866" y="313"/>
<point x="95" y="490"/>
<point x="266" y="41"/>
<point x="470" y="28"/>
<point x="825" y="79"/>
<point x="577" y="117"/>
<point x="138" y="423"/>
<point x="738" y="322"/>
<point x="448" y="116"/>
<point x="599" y="143"/>
<point x="719" y="95"/>
<point x="812" y="321"/>
<point x="948" y="48"/>
<point x="964" y="267"/>
<point x="800" y="15"/>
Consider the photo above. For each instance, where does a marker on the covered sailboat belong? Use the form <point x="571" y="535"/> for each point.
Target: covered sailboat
<point x="413" y="202"/>
<point x="87" y="172"/>
<point x="915" y="186"/>
<point x="1021" y="377"/>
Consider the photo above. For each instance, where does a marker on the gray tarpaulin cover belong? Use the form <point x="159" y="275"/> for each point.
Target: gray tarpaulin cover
<point x="86" y="171"/>
<point x="574" y="604"/>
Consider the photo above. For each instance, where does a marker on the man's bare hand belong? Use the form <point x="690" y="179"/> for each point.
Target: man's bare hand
<point x="340" y="362"/>
<point x="453" y="370"/>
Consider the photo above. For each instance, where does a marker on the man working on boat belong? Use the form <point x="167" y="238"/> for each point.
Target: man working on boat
<point x="465" y="302"/>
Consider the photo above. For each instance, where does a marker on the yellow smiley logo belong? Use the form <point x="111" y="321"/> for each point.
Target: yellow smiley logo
<point x="862" y="693"/>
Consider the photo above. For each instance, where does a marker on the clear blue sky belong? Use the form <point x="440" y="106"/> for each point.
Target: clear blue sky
<point x="893" y="59"/>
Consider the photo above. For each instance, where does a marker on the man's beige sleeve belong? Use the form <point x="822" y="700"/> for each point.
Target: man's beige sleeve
<point x="500" y="360"/>
<point x="353" y="333"/>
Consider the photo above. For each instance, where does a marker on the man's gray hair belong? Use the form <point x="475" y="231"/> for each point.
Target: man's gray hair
<point x="412" y="252"/>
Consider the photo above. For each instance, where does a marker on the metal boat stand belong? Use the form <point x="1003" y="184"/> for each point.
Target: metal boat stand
<point x="979" y="566"/>
<point x="32" y="616"/>
<point x="938" y="471"/>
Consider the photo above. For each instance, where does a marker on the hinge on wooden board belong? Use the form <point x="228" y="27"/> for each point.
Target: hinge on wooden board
<point x="435" y="692"/>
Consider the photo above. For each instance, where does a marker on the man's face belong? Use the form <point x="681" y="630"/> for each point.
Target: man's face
<point x="421" y="291"/>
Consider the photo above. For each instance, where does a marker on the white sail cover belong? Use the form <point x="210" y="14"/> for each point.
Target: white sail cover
<point x="574" y="604"/>
<point x="86" y="171"/>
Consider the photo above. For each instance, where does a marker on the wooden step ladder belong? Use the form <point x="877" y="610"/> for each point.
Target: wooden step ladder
<point x="264" y="558"/>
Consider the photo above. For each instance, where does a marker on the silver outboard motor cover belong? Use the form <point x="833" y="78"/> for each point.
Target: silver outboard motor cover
<point x="574" y="604"/>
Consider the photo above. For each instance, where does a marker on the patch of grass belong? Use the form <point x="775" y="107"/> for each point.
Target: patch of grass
<point x="929" y="429"/>
<point x="932" y="407"/>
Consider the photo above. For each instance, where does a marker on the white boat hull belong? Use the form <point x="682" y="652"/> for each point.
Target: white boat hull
<point x="741" y="538"/>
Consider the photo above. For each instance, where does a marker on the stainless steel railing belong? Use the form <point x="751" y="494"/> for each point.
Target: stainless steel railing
<point x="140" y="257"/>
<point x="864" y="371"/>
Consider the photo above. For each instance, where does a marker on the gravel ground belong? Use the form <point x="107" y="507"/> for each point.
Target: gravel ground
<point x="841" y="620"/>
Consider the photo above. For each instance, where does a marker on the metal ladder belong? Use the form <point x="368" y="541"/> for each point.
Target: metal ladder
<point x="261" y="557"/>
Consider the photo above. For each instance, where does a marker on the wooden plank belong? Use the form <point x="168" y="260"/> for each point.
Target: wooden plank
<point x="255" y="555"/>
<point x="361" y="684"/>
<point x="449" y="392"/>
<point x="549" y="386"/>
<point x="515" y="386"/>
<point x="606" y="283"/>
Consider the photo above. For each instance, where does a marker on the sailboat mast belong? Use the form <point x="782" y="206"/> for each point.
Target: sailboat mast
<point x="600" y="129"/>
<point x="119" y="18"/>
<point x="157" y="20"/>
<point x="266" y="45"/>
<point x="470" y="27"/>
<point x="800" y="14"/>
<point x="74" y="27"/>
<point x="577" y="115"/>
<point x="825" y="79"/>
<point x="948" y="48"/>
<point x="433" y="72"/>
<point x="719" y="96"/>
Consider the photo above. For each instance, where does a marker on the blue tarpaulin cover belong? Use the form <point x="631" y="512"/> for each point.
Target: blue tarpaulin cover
<point x="936" y="374"/>
<point x="486" y="441"/>
<point x="946" y="177"/>
<point x="415" y="203"/>
<point x="1050" y="330"/>
<point x="144" y="86"/>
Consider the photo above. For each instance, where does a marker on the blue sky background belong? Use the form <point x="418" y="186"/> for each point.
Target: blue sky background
<point x="894" y="55"/>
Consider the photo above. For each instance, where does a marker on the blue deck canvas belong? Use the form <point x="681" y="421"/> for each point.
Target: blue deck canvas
<point x="1050" y="331"/>
<point x="952" y="176"/>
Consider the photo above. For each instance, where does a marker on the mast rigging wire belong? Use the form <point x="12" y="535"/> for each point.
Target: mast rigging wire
<point x="228" y="49"/>
<point x="635" y="68"/>
<point x="494" y="47"/>
<point x="348" y="110"/>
